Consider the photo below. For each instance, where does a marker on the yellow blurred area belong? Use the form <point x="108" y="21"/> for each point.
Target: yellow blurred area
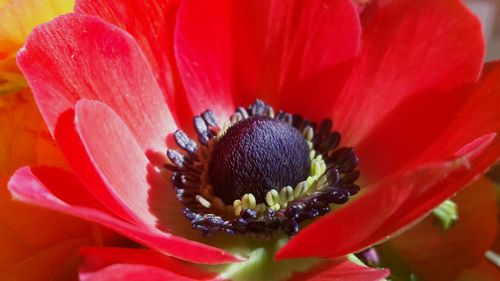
<point x="18" y="18"/>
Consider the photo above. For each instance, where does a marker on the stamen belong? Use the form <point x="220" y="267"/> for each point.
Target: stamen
<point x="263" y="195"/>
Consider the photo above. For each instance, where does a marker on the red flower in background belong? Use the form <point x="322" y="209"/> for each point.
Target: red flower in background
<point x="114" y="80"/>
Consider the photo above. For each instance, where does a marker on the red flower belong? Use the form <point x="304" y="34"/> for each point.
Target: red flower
<point x="115" y="78"/>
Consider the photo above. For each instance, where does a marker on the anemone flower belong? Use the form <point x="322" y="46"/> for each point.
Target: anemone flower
<point x="204" y="129"/>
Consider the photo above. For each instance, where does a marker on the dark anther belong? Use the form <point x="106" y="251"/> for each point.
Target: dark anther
<point x="242" y="111"/>
<point x="330" y="141"/>
<point x="176" y="158"/>
<point x="350" y="177"/>
<point x="333" y="176"/>
<point x="297" y="121"/>
<point x="177" y="180"/>
<point x="325" y="127"/>
<point x="331" y="196"/>
<point x="294" y="211"/>
<point x="349" y="164"/>
<point x="248" y="214"/>
<point x="256" y="155"/>
<point x="186" y="195"/>
<point x="258" y="108"/>
<point x="192" y="216"/>
<point x="202" y="129"/>
<point x="184" y="142"/>
<point x="342" y="154"/>
<point x="209" y="118"/>
<point x="292" y="227"/>
<point x="182" y="162"/>
<point x="352" y="189"/>
<point x="285" y="117"/>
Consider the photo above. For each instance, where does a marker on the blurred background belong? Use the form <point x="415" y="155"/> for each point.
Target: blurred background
<point x="489" y="13"/>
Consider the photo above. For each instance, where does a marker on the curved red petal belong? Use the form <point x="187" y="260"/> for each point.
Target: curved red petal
<point x="78" y="56"/>
<point x="408" y="47"/>
<point x="478" y="124"/>
<point x="416" y="122"/>
<point x="71" y="145"/>
<point x="95" y="259"/>
<point x="128" y="176"/>
<point x="345" y="230"/>
<point x="342" y="271"/>
<point x="151" y="23"/>
<point x="132" y="272"/>
<point x="478" y="117"/>
<point x="292" y="54"/>
<point x="116" y="156"/>
<point x="30" y="186"/>
<point x="476" y="114"/>
<point x="475" y="163"/>
<point x="394" y="204"/>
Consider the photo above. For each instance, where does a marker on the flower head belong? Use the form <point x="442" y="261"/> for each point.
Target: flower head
<point x="120" y="85"/>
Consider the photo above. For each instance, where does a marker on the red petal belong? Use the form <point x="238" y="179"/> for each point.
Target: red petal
<point x="408" y="47"/>
<point x="116" y="156"/>
<point x="125" y="170"/>
<point x="132" y="272"/>
<point x="342" y="271"/>
<point x="343" y="231"/>
<point x="152" y="25"/>
<point x="231" y="52"/>
<point x="385" y="150"/>
<point x="473" y="165"/>
<point x="393" y="203"/>
<point x="31" y="186"/>
<point x="72" y="147"/>
<point x="77" y="56"/>
<point x="478" y="124"/>
<point x="480" y="116"/>
<point x="95" y="259"/>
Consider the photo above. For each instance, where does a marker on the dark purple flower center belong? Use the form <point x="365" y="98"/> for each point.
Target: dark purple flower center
<point x="261" y="172"/>
<point x="256" y="155"/>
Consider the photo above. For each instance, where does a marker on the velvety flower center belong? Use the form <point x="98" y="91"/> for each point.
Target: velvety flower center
<point x="256" y="155"/>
